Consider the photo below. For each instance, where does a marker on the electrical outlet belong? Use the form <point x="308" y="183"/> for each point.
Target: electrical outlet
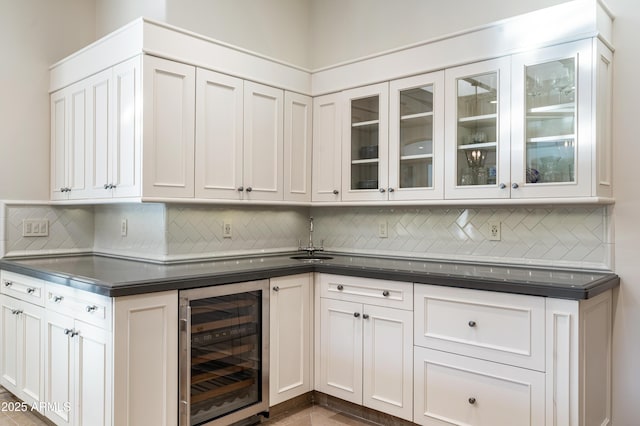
<point x="494" y="231"/>
<point x="35" y="227"/>
<point x="123" y="227"/>
<point x="227" y="230"/>
<point x="382" y="229"/>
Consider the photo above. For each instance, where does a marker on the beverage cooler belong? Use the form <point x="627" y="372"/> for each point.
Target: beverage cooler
<point x="224" y="357"/>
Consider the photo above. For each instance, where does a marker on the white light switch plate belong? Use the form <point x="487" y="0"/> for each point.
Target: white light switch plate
<point x="227" y="230"/>
<point x="35" y="227"/>
<point x="383" y="231"/>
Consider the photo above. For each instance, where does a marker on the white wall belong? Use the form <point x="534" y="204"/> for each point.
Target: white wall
<point x="33" y="35"/>
<point x="112" y="14"/>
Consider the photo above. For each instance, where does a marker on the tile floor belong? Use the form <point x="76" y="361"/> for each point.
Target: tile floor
<point x="311" y="416"/>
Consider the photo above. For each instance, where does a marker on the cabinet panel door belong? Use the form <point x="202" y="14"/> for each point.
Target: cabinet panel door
<point x="327" y="148"/>
<point x="297" y="147"/>
<point x="341" y="349"/>
<point x="92" y="372"/>
<point x="9" y="344"/>
<point x="263" y="142"/>
<point x="58" y="145"/>
<point x="76" y="142"/>
<point x="290" y="337"/>
<point x="58" y="381"/>
<point x="124" y="157"/>
<point x="31" y="353"/>
<point x="219" y="126"/>
<point x="169" y="120"/>
<point x="99" y="116"/>
<point x="388" y="361"/>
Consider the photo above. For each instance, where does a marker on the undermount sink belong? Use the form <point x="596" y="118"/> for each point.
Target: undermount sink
<point x="311" y="257"/>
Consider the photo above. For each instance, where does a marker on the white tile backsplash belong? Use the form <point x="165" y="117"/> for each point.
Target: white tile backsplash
<point x="572" y="236"/>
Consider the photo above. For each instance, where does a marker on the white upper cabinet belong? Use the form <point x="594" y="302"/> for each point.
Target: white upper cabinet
<point x="416" y="137"/>
<point x="219" y="136"/>
<point x="327" y="147"/>
<point x="365" y="144"/>
<point x="263" y="142"/>
<point x="297" y="147"/>
<point x="554" y="122"/>
<point x="477" y="133"/>
<point x="169" y="127"/>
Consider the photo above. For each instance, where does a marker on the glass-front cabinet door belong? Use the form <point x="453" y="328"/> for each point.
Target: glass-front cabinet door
<point x="416" y="137"/>
<point x="551" y="140"/>
<point x="365" y="143"/>
<point x="478" y="130"/>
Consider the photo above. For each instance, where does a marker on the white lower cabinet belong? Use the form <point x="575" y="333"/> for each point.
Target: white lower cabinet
<point x="365" y="349"/>
<point x="290" y="335"/>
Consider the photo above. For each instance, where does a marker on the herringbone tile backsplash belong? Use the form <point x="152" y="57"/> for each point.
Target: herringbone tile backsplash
<point x="572" y="236"/>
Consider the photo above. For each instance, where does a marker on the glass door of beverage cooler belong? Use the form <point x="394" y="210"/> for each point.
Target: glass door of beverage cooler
<point x="478" y="129"/>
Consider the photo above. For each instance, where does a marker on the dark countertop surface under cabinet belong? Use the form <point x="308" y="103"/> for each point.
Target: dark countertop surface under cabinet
<point x="115" y="277"/>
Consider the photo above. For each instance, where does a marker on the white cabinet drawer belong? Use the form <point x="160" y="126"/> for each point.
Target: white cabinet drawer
<point x="456" y="390"/>
<point x="393" y="294"/>
<point x="22" y="287"/>
<point x="501" y="327"/>
<point x="82" y="305"/>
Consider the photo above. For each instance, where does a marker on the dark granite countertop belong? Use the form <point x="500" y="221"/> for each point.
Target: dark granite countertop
<point x="115" y="277"/>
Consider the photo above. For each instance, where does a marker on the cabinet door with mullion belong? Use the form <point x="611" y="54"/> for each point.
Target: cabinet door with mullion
<point x="552" y="141"/>
<point x="365" y="143"/>
<point x="477" y="130"/>
<point x="416" y="137"/>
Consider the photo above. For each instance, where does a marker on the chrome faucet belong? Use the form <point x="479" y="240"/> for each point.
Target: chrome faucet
<point x="310" y="248"/>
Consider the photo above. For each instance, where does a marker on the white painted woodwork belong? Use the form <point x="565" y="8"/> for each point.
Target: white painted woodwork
<point x="327" y="148"/>
<point x="100" y="132"/>
<point x="59" y="368"/>
<point x="290" y="334"/>
<point x="578" y="379"/>
<point x="219" y="136"/>
<point x="298" y="147"/>
<point x="68" y="142"/>
<point x="22" y="340"/>
<point x="263" y="142"/>
<point x="435" y="192"/>
<point x="456" y="390"/>
<point x="601" y="123"/>
<point x="145" y="360"/>
<point x="581" y="52"/>
<point x="88" y="307"/>
<point x="380" y="90"/>
<point x="341" y="349"/>
<point x="452" y="190"/>
<point x="388" y="361"/>
<point x="22" y="287"/>
<point x="392" y="294"/>
<point x="500" y="327"/>
<point x="168" y="128"/>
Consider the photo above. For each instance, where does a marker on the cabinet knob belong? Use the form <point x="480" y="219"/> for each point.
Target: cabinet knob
<point x="276" y="288"/>
<point x="8" y="283"/>
<point x="502" y="185"/>
<point x="57" y="299"/>
<point x="382" y="190"/>
<point x="113" y="186"/>
<point x="91" y="308"/>
<point x="386" y="293"/>
<point x="240" y="188"/>
<point x="249" y="189"/>
<point x="106" y="186"/>
<point x="472" y="400"/>
<point x="356" y="314"/>
<point x="340" y="287"/>
<point x="391" y="189"/>
<point x="472" y="323"/>
<point x="68" y="331"/>
<point x="514" y="185"/>
<point x="365" y="316"/>
<point x="31" y="290"/>
<point x="336" y="192"/>
<point x="16" y="311"/>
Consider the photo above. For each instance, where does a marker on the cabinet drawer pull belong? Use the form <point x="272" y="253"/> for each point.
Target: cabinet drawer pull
<point x="91" y="308"/>
<point x="356" y="314"/>
<point x="472" y="400"/>
<point x="336" y="192"/>
<point x="31" y="290"/>
<point x="240" y="188"/>
<point x="365" y="316"/>
<point x="386" y="293"/>
<point x="68" y="331"/>
<point x="8" y="283"/>
<point x="57" y="299"/>
<point x="276" y="288"/>
<point x="249" y="189"/>
<point x="472" y="323"/>
<point x="340" y="287"/>
<point x="16" y="311"/>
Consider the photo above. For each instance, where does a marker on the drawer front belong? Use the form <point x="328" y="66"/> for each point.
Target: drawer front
<point x="458" y="390"/>
<point x="82" y="305"/>
<point x="499" y="327"/>
<point x="22" y="287"/>
<point x="393" y="294"/>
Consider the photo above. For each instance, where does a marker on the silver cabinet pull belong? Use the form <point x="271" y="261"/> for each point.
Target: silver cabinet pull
<point x="472" y="400"/>
<point x="391" y="189"/>
<point x="276" y="288"/>
<point x="472" y="323"/>
<point x="356" y="314"/>
<point x="386" y="293"/>
<point x="16" y="311"/>
<point x="515" y="185"/>
<point x="8" y="283"/>
<point x="68" y="331"/>
<point x="502" y="185"/>
<point x="240" y="188"/>
<point x="365" y="316"/>
<point x="31" y="290"/>
<point x="91" y="308"/>
<point x="249" y="189"/>
<point x="382" y="190"/>
<point x="336" y="192"/>
<point x="57" y="299"/>
<point x="340" y="287"/>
